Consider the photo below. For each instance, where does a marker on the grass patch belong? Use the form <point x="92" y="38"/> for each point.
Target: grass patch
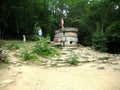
<point x="13" y="46"/>
<point x="73" y="59"/>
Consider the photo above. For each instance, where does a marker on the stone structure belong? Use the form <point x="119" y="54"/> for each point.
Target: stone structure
<point x="66" y="37"/>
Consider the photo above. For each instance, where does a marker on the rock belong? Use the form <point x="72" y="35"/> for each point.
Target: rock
<point x="12" y="62"/>
<point x="114" y="63"/>
<point x="116" y="68"/>
<point x="48" y="62"/>
<point x="14" y="74"/>
<point x="54" y="59"/>
<point x="43" y="64"/>
<point x="62" y="61"/>
<point x="18" y="54"/>
<point x="83" y="60"/>
<point x="18" y="64"/>
<point x="48" y="65"/>
<point x="99" y="61"/>
<point x="44" y="61"/>
<point x="100" y="67"/>
<point x="25" y="63"/>
<point x="91" y="60"/>
<point x="19" y="71"/>
<point x="117" y="58"/>
<point x="61" y="65"/>
<point x="105" y="61"/>
<point x="53" y="63"/>
<point x="6" y="82"/>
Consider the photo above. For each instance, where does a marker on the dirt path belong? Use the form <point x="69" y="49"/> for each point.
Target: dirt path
<point x="83" y="77"/>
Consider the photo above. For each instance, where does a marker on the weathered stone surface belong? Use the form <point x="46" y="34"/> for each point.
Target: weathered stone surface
<point x="43" y="64"/>
<point x="74" y="39"/>
<point x="105" y="61"/>
<point x="18" y="54"/>
<point x="67" y="29"/>
<point x="67" y="37"/>
<point x="6" y="82"/>
<point x="100" y="67"/>
<point x="44" y="61"/>
<point x="61" y="65"/>
<point x="116" y="68"/>
<point x="18" y="64"/>
<point x="14" y="74"/>
<point x="53" y="63"/>
<point x="114" y="63"/>
<point x="70" y="34"/>
<point x="59" y="35"/>
<point x="19" y="71"/>
<point x="48" y="65"/>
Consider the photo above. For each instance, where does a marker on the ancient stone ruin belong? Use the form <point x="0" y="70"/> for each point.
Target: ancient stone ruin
<point x="66" y="37"/>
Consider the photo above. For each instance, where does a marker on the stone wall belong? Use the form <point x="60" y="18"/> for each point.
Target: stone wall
<point x="67" y="37"/>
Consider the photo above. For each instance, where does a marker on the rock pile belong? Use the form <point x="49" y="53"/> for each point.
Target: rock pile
<point x="84" y="55"/>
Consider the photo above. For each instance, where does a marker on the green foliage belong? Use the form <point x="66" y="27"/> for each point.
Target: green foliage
<point x="99" y="41"/>
<point x="2" y="43"/>
<point x="36" y="28"/>
<point x="29" y="56"/>
<point x="6" y="61"/>
<point x="113" y="36"/>
<point x="42" y="48"/>
<point x="13" y="46"/>
<point x="73" y="59"/>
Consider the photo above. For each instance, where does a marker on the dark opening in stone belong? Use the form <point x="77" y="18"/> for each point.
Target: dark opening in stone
<point x="71" y="42"/>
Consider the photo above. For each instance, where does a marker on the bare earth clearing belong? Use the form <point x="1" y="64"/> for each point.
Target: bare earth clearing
<point x="85" y="76"/>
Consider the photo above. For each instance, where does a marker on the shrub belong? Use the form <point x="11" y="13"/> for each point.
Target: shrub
<point x="29" y="56"/>
<point x="73" y="59"/>
<point x="99" y="41"/>
<point x="4" y="60"/>
<point x="42" y="48"/>
<point x="113" y="35"/>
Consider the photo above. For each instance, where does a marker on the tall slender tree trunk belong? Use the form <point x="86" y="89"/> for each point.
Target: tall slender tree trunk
<point x="102" y="29"/>
<point x="17" y="29"/>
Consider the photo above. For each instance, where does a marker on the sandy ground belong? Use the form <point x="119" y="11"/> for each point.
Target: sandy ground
<point x="82" y="77"/>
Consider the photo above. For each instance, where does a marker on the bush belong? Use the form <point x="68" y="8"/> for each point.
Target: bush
<point x="73" y="59"/>
<point x="29" y="56"/>
<point x="13" y="46"/>
<point x="42" y="48"/>
<point x="4" y="60"/>
<point x="113" y="35"/>
<point x="99" y="41"/>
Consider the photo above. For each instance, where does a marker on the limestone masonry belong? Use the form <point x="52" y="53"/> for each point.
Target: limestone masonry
<point x="66" y="37"/>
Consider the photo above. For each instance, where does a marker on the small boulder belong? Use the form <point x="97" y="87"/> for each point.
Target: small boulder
<point x="100" y="67"/>
<point x="114" y="63"/>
